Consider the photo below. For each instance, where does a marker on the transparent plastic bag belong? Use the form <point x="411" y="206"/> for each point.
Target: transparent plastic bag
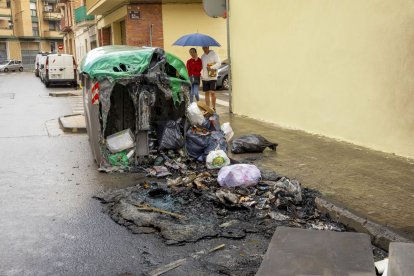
<point x="228" y="131"/>
<point x="217" y="159"/>
<point x="195" y="115"/>
<point x="239" y="175"/>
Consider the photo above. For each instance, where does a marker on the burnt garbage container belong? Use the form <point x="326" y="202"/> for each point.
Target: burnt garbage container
<point x="131" y="88"/>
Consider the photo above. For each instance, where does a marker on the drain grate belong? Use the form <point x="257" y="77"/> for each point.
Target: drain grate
<point x="7" y="95"/>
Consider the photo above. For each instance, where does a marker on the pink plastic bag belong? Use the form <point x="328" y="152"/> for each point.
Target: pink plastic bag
<point x="239" y="175"/>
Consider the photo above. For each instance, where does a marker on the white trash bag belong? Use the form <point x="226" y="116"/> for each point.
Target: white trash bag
<point x="195" y="115"/>
<point x="217" y="159"/>
<point x="239" y="175"/>
<point x="228" y="131"/>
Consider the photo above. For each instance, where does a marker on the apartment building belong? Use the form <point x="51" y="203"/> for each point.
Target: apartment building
<point x="78" y="28"/>
<point x="28" y="27"/>
<point x="155" y="23"/>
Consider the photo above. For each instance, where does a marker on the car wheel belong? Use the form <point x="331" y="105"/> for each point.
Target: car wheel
<point x="21" y="69"/>
<point x="6" y="70"/>
<point x="47" y="84"/>
<point x="226" y="83"/>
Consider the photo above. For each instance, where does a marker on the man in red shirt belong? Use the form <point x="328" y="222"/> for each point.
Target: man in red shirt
<point x="194" y="67"/>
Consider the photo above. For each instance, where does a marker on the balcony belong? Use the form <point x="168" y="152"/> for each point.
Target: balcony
<point x="52" y="34"/>
<point x="99" y="7"/>
<point x="82" y="19"/>
<point x="6" y="32"/>
<point x="5" y="12"/>
<point x="65" y="27"/>
<point x="52" y="15"/>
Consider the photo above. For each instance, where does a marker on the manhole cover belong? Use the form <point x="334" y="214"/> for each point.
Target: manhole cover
<point x="7" y="95"/>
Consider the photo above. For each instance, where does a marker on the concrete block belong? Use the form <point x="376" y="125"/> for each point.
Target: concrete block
<point x="294" y="251"/>
<point x="401" y="259"/>
<point x="73" y="123"/>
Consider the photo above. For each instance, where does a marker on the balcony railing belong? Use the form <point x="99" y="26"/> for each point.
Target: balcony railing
<point x="6" y="32"/>
<point x="65" y="27"/>
<point x="81" y="17"/>
<point x="52" y="34"/>
<point x="52" y="15"/>
<point x="51" y="1"/>
<point x="5" y="12"/>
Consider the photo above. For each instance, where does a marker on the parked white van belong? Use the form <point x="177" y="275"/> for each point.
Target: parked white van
<point x="59" y="69"/>
<point x="37" y="62"/>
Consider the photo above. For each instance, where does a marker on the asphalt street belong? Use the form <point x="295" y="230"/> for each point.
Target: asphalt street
<point x="49" y="222"/>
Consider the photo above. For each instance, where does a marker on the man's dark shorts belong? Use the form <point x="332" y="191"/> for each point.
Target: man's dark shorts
<point x="209" y="85"/>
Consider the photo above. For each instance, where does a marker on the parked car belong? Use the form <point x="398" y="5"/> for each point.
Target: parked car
<point x="37" y="62"/>
<point x="11" y="65"/>
<point x="223" y="75"/>
<point x="134" y="88"/>
<point x="58" y="69"/>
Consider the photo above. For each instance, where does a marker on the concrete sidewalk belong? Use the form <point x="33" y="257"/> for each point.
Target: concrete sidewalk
<point x="372" y="184"/>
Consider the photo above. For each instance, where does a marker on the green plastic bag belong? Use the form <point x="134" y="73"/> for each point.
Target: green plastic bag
<point x="119" y="159"/>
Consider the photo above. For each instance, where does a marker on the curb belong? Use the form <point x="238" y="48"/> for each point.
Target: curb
<point x="381" y="236"/>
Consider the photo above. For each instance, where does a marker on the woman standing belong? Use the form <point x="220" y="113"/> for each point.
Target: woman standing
<point x="194" y="67"/>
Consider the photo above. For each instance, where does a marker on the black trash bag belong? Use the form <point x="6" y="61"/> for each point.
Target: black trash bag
<point x="196" y="143"/>
<point x="216" y="141"/>
<point x="251" y="143"/>
<point x="171" y="137"/>
<point x="212" y="123"/>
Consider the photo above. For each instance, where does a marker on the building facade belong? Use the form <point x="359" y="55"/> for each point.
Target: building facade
<point x="28" y="27"/>
<point x="155" y="23"/>
<point x="78" y="28"/>
<point x="342" y="69"/>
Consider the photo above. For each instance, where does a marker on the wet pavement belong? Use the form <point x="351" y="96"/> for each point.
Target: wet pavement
<point x="49" y="223"/>
<point x="374" y="185"/>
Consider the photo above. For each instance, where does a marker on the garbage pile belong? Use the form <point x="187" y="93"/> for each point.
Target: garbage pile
<point x="197" y="192"/>
<point x="187" y="207"/>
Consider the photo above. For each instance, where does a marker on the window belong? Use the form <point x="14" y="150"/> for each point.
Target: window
<point x="53" y="47"/>
<point x="33" y="10"/>
<point x="48" y="8"/>
<point x="8" y="4"/>
<point x="35" y="28"/>
<point x="53" y="26"/>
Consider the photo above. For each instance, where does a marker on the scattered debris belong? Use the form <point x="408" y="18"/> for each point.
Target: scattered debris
<point x="146" y="207"/>
<point x="251" y="143"/>
<point x="158" y="171"/>
<point x="119" y="159"/>
<point x="168" y="267"/>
